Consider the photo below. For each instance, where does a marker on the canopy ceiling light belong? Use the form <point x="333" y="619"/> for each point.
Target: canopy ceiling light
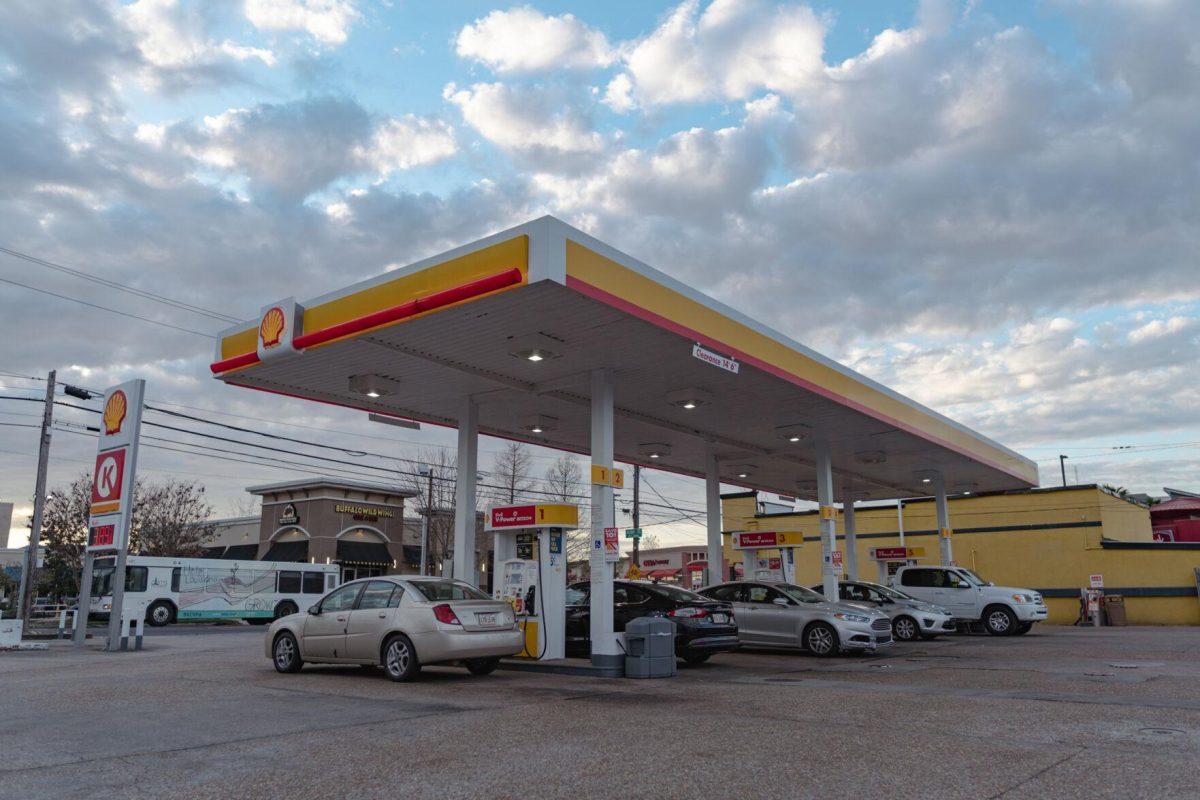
<point x="926" y="475"/>
<point x="965" y="487"/>
<point x="742" y="470"/>
<point x="690" y="398"/>
<point x="540" y="424"/>
<point x="372" y="385"/>
<point x="654" y="450"/>
<point x="871" y="457"/>
<point x="793" y="433"/>
<point x="535" y="347"/>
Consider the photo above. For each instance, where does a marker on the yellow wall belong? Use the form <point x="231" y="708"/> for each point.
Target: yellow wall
<point x="1052" y="541"/>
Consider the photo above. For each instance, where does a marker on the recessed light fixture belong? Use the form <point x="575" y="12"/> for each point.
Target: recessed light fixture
<point x="966" y="487"/>
<point x="742" y="470"/>
<point x="689" y="399"/>
<point x="654" y="450"/>
<point x="535" y="347"/>
<point x="793" y="433"/>
<point x="540" y="424"/>
<point x="871" y="457"/>
<point x="926" y="475"/>
<point x="372" y="386"/>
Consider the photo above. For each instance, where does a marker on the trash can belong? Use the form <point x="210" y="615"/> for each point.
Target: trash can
<point x="650" y="648"/>
<point x="1114" y="609"/>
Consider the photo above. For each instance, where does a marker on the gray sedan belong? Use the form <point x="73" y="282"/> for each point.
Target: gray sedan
<point x="911" y="618"/>
<point x="399" y="623"/>
<point x="776" y="614"/>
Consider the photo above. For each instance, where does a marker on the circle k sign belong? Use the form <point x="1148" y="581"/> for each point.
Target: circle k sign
<point x="108" y="481"/>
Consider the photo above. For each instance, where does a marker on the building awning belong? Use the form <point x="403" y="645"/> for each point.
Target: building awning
<point x="364" y="553"/>
<point x="214" y="552"/>
<point x="294" y="550"/>
<point x="658" y="574"/>
<point x="248" y="551"/>
<point x="412" y="554"/>
<point x="696" y="566"/>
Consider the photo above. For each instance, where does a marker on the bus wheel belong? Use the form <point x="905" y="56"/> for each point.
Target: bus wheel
<point x="160" y="613"/>
<point x="285" y="608"/>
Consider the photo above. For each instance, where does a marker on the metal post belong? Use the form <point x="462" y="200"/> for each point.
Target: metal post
<point x="605" y="649"/>
<point x="464" y="492"/>
<point x="29" y="565"/>
<point x="1062" y="465"/>
<point x="943" y="521"/>
<point x="900" y="519"/>
<point x="637" y="517"/>
<point x="829" y="577"/>
<point x="851" y="555"/>
<point x="712" y="507"/>
<point x="79" y="636"/>
<point x="425" y="524"/>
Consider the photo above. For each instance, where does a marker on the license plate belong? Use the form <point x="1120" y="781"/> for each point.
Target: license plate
<point x="486" y="619"/>
<point x="720" y="619"/>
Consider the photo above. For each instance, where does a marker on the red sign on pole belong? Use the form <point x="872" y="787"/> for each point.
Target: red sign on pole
<point x="612" y="545"/>
<point x="891" y="553"/>
<point x="514" y="516"/>
<point x="757" y="539"/>
<point x="108" y="480"/>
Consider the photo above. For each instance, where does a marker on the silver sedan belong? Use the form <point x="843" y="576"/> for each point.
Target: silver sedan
<point x="399" y="623"/>
<point x="776" y="614"/>
<point x="911" y="618"/>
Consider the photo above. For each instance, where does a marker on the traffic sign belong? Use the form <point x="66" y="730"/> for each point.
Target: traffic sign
<point x="633" y="533"/>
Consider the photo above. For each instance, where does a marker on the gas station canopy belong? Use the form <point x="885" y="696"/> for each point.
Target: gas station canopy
<point x="518" y="321"/>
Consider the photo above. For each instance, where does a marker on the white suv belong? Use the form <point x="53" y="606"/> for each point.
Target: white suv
<point x="1003" y="610"/>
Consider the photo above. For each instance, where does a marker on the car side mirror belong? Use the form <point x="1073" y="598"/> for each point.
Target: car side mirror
<point x="781" y="601"/>
<point x="314" y="610"/>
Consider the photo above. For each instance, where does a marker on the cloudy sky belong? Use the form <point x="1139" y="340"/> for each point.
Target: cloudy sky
<point x="991" y="206"/>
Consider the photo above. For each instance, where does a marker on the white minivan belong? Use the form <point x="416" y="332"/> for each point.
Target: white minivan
<point x="1003" y="610"/>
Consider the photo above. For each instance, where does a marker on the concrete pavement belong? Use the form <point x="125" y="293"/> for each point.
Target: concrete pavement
<point x="1060" y="713"/>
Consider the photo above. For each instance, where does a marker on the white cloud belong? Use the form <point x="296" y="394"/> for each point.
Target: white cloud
<point x="524" y="119"/>
<point x="327" y="21"/>
<point x="618" y="95"/>
<point x="170" y="35"/>
<point x="730" y="50"/>
<point x="1159" y="327"/>
<point x="524" y="39"/>
<point x="406" y="142"/>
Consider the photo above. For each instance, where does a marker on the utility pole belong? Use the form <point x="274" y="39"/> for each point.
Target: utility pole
<point x="25" y="594"/>
<point x="1062" y="465"/>
<point x="637" y="517"/>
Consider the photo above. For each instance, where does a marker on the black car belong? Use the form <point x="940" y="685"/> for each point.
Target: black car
<point x="702" y="626"/>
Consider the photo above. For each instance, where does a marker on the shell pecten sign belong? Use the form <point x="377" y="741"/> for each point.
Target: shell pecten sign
<point x="115" y="410"/>
<point x="272" y="327"/>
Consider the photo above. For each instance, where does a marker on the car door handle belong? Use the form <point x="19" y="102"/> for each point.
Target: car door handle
<point x="383" y="615"/>
<point x="341" y="619"/>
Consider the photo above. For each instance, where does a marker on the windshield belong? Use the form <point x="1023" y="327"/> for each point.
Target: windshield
<point x="676" y="593"/>
<point x="888" y="591"/>
<point x="448" y="590"/>
<point x="972" y="577"/>
<point x="800" y="594"/>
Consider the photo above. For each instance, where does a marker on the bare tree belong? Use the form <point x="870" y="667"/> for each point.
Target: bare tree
<point x="247" y="506"/>
<point x="564" y="482"/>
<point x="440" y="511"/>
<point x="512" y="472"/>
<point x="173" y="520"/>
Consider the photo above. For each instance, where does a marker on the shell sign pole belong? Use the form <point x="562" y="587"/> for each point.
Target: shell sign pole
<point x="112" y="498"/>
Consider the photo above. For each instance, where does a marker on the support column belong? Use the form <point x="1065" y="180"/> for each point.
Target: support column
<point x="829" y="577"/>
<point x="943" y="521"/>
<point x="464" y="491"/>
<point x="851" y="555"/>
<point x="605" y="650"/>
<point x="712" y="506"/>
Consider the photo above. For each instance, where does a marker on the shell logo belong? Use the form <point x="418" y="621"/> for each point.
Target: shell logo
<point x="270" y="331"/>
<point x="114" y="412"/>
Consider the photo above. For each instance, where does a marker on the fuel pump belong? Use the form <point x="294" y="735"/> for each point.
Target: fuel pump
<point x="889" y="559"/>
<point x="755" y="566"/>
<point x="531" y="556"/>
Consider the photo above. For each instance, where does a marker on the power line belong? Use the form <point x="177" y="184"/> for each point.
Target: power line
<point x="106" y="308"/>
<point x="158" y="298"/>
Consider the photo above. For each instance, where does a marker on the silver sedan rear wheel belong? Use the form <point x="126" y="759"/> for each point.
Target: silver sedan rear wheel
<point x="285" y="654"/>
<point x="400" y="659"/>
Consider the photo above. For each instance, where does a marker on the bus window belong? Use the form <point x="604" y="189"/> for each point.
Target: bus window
<point x="330" y="581"/>
<point x="289" y="582"/>
<point x="175" y="579"/>
<point x="135" y="580"/>
<point x="314" y="582"/>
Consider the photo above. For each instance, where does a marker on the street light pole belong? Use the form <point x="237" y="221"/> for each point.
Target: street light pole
<point x="637" y="517"/>
<point x="427" y="470"/>
<point x="25" y="594"/>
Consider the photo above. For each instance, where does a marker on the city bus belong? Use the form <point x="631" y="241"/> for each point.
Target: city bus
<point x="209" y="589"/>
